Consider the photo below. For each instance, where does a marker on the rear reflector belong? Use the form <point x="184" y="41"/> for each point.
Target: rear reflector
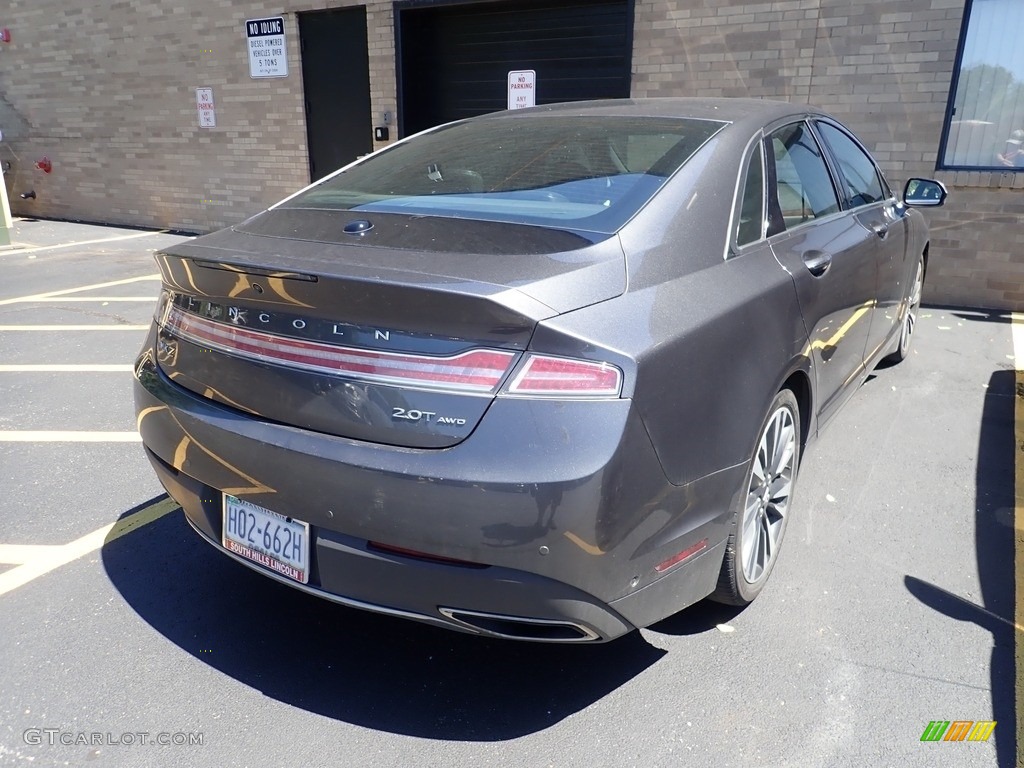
<point x="677" y="559"/>
<point x="542" y="375"/>
<point x="479" y="370"/>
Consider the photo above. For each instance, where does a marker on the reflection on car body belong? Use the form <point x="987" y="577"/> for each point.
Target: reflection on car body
<point x="545" y="374"/>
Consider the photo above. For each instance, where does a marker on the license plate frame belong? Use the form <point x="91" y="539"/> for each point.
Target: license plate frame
<point x="268" y="538"/>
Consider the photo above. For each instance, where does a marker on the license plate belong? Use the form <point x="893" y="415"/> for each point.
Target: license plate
<point x="272" y="540"/>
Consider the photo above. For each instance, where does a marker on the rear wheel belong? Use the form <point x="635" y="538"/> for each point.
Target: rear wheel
<point x="761" y="521"/>
<point x="910" y="321"/>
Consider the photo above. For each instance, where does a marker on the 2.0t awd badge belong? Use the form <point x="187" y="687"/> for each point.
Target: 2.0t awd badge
<point x="426" y="416"/>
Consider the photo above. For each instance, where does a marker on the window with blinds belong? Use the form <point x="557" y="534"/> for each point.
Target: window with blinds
<point x="985" y="121"/>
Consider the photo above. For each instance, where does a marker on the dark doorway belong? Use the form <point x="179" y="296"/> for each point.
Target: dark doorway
<point x="336" y="80"/>
<point x="455" y="58"/>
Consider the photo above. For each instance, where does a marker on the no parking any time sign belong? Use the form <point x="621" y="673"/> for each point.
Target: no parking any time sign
<point x="268" y="55"/>
<point x="205" y="108"/>
<point x="522" y="89"/>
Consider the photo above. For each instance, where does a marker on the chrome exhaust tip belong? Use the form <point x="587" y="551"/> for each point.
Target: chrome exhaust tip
<point x="520" y="628"/>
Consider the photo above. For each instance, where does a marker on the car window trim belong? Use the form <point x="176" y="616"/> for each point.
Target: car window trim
<point x="733" y="248"/>
<point x="773" y="210"/>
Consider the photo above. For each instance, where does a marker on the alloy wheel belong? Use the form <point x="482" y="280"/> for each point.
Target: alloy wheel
<point x="914" y="306"/>
<point x="767" y="503"/>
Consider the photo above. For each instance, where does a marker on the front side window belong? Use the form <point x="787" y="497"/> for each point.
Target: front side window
<point x="860" y="177"/>
<point x="803" y="187"/>
<point x="584" y="173"/>
<point x="985" y="125"/>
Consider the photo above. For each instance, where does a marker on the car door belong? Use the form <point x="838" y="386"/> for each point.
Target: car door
<point x="869" y="197"/>
<point x="830" y="256"/>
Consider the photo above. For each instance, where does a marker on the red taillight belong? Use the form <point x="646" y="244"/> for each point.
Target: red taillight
<point x="479" y="370"/>
<point x="542" y="375"/>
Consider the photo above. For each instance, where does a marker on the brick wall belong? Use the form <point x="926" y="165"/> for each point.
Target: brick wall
<point x="978" y="242"/>
<point x="108" y="94"/>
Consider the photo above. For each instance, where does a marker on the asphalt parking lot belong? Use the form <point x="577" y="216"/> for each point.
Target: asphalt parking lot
<point x="892" y="605"/>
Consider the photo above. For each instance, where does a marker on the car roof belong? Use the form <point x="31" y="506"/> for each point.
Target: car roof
<point x="730" y="110"/>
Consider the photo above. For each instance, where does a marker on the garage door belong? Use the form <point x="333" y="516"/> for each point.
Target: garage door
<point x="455" y="59"/>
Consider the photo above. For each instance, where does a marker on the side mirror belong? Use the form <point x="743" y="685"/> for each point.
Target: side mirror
<point x="924" y="192"/>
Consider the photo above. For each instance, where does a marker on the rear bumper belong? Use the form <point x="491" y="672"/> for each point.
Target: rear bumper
<point x="347" y="573"/>
<point x="561" y="542"/>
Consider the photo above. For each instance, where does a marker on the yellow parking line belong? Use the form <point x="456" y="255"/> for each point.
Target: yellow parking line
<point x="38" y="248"/>
<point x="36" y="561"/>
<point x="19" y="554"/>
<point x="54" y="436"/>
<point x="65" y="291"/>
<point x="590" y="549"/>
<point x="845" y="327"/>
<point x="74" y="327"/>
<point x="1017" y="329"/>
<point x="43" y="368"/>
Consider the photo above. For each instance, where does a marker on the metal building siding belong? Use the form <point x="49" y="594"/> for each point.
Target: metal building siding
<point x="455" y="59"/>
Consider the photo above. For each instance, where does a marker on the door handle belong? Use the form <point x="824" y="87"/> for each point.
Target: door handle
<point x="817" y="262"/>
<point x="881" y="229"/>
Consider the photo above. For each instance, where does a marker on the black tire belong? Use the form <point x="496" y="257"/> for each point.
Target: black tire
<point x="763" y="515"/>
<point x="910" y="319"/>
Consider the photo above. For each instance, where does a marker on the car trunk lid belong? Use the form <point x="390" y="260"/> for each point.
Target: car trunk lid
<point x="290" y="319"/>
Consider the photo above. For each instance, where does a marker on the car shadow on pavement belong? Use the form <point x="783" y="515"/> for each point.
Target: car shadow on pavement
<point x="697" y="619"/>
<point x="374" y="671"/>
<point x="994" y="549"/>
<point x="978" y="315"/>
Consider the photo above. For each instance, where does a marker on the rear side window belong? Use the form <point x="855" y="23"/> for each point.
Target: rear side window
<point x="803" y="188"/>
<point x="860" y="176"/>
<point x="581" y="172"/>
<point x="750" y="227"/>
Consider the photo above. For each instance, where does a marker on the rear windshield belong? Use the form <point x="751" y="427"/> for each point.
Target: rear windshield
<point x="584" y="173"/>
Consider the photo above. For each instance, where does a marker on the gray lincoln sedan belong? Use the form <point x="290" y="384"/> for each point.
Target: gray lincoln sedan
<point x="543" y="374"/>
